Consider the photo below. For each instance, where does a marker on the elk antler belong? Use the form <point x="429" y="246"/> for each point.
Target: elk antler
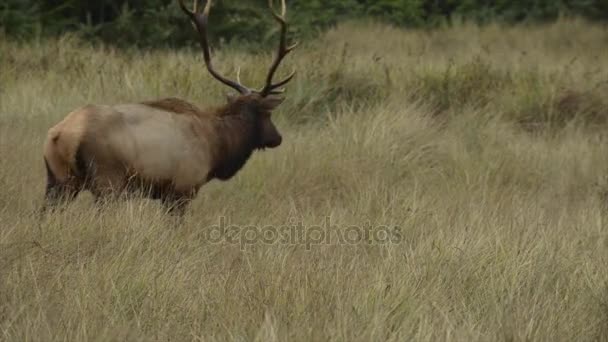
<point x="283" y="50"/>
<point x="200" y="22"/>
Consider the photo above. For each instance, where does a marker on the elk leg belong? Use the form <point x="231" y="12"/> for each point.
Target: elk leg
<point x="107" y="186"/>
<point x="57" y="195"/>
<point x="103" y="198"/>
<point x="57" y="192"/>
<point x="176" y="204"/>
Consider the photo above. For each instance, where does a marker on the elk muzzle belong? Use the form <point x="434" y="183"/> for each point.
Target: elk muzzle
<point x="271" y="137"/>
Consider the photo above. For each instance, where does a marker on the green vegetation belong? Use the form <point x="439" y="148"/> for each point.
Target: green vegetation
<point x="157" y="23"/>
<point x="483" y="149"/>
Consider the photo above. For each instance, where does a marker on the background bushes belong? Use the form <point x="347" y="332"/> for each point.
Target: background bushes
<point x="154" y="23"/>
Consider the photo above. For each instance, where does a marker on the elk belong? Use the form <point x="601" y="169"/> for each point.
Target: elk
<point x="165" y="149"/>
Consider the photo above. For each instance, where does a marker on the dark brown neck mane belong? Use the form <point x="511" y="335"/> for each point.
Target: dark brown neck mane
<point x="178" y="106"/>
<point x="236" y="133"/>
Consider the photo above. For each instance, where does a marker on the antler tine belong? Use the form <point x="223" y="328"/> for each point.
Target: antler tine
<point x="195" y="5"/>
<point x="200" y="22"/>
<point x="283" y="50"/>
<point x="285" y="81"/>
<point x="238" y="74"/>
<point x="283" y="10"/>
<point x="185" y="9"/>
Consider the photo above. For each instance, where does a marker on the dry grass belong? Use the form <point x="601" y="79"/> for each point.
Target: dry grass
<point x="482" y="150"/>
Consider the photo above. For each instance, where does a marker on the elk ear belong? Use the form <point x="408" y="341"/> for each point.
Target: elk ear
<point x="271" y="102"/>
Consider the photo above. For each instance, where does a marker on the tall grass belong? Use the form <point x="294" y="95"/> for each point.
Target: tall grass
<point x="481" y="153"/>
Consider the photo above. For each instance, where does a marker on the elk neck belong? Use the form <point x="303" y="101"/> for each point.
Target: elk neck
<point x="238" y="135"/>
<point x="235" y="131"/>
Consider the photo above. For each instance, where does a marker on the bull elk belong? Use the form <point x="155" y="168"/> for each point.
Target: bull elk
<point x="167" y="148"/>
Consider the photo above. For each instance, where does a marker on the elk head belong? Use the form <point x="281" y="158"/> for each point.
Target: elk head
<point x="251" y="105"/>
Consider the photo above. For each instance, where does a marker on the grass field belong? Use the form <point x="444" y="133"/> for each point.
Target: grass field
<point x="443" y="185"/>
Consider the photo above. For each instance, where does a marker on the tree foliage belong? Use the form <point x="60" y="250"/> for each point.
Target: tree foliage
<point x="160" y="22"/>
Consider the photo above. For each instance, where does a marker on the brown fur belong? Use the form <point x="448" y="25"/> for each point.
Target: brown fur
<point x="175" y="105"/>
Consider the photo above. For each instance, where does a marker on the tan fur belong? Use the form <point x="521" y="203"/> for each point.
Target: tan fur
<point x="63" y="140"/>
<point x="134" y="140"/>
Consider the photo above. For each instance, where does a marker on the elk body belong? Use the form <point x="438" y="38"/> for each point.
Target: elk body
<point x="164" y="149"/>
